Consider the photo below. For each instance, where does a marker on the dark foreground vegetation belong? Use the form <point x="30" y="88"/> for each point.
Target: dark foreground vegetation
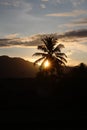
<point x="45" y="99"/>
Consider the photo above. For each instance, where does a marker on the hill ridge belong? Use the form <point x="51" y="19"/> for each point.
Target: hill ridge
<point x="16" y="67"/>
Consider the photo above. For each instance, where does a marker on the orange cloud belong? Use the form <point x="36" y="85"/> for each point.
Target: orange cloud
<point x="74" y="13"/>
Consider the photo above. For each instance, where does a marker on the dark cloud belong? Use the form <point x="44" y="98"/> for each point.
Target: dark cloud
<point x="36" y="40"/>
<point x="9" y="42"/>
<point x="82" y="33"/>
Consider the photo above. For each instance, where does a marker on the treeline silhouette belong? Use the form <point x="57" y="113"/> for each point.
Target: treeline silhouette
<point x="44" y="99"/>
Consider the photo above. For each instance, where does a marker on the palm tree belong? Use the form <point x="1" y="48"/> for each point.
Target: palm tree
<point x="51" y="51"/>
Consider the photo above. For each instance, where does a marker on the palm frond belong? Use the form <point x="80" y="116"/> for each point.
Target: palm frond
<point x="44" y="40"/>
<point x="40" y="54"/>
<point x="61" y="54"/>
<point x="38" y="60"/>
<point x="62" y="58"/>
<point x="43" y="48"/>
<point x="60" y="62"/>
<point x="61" y="46"/>
<point x="52" y="52"/>
<point x="58" y="48"/>
<point x="49" y="42"/>
<point x="43" y="63"/>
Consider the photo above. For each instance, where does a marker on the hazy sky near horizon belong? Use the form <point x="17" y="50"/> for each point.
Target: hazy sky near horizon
<point x="24" y="22"/>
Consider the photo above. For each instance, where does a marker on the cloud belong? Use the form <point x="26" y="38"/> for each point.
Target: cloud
<point x="16" y="4"/>
<point x="75" y="23"/>
<point x="74" y="13"/>
<point x="21" y="42"/>
<point x="59" y="1"/>
<point x="11" y="36"/>
<point x="43" y="6"/>
<point x="35" y="40"/>
<point x="76" y="3"/>
<point x="9" y="42"/>
<point x="80" y="21"/>
<point x="75" y="41"/>
<point x="69" y="52"/>
<point x="69" y="25"/>
<point x="82" y="33"/>
<point x="44" y="0"/>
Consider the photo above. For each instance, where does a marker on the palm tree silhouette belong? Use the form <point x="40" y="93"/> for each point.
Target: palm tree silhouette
<point x="52" y="53"/>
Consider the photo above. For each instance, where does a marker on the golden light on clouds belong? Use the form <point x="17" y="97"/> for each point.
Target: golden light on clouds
<point x="73" y="13"/>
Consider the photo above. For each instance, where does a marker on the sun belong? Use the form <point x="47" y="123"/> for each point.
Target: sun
<point x="46" y="64"/>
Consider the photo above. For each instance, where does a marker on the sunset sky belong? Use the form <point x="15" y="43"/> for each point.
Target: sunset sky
<point x="24" y="22"/>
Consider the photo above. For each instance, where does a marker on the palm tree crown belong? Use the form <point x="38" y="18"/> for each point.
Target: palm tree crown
<point x="51" y="51"/>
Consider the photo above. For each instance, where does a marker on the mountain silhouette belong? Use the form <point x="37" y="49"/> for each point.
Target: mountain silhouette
<point x="16" y="68"/>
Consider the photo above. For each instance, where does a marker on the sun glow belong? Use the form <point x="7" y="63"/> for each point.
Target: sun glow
<point x="46" y="64"/>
